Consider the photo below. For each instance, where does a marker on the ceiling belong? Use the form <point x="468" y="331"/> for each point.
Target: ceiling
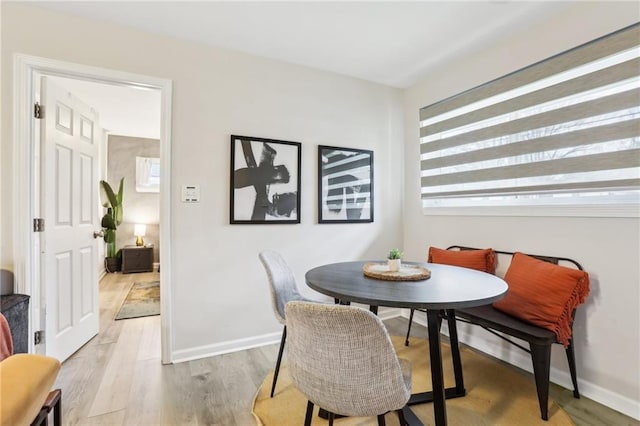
<point x="393" y="43"/>
<point x="121" y="110"/>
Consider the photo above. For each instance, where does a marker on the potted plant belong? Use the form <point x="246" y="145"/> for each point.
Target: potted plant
<point x="394" y="260"/>
<point x="110" y="222"/>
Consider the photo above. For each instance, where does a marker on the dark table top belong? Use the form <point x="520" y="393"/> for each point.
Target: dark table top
<point x="449" y="287"/>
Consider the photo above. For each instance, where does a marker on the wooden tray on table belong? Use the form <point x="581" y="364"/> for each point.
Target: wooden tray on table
<point x="381" y="271"/>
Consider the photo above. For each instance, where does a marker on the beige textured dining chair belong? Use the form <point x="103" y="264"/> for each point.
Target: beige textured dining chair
<point x="342" y="359"/>
<point x="282" y="284"/>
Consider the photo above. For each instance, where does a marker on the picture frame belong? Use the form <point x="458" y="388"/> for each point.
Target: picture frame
<point x="265" y="181"/>
<point x="345" y="185"/>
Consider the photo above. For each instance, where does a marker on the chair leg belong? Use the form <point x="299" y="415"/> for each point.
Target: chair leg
<point x="572" y="368"/>
<point x="401" y="419"/>
<point x="406" y="341"/>
<point x="331" y="417"/>
<point x="275" y="374"/>
<point x="381" y="421"/>
<point x="52" y="402"/>
<point x="57" y="412"/>
<point x="309" y="415"/>
<point x="541" y="357"/>
<point x="41" y="418"/>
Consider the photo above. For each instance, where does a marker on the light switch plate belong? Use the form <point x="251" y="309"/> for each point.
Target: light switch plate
<point x="190" y="193"/>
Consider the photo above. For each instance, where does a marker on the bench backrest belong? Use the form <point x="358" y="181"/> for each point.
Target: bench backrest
<point x="550" y="259"/>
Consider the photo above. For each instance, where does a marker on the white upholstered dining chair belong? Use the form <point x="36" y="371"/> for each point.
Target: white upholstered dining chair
<point x="342" y="359"/>
<point x="283" y="288"/>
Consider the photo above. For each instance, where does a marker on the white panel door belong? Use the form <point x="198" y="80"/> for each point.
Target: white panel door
<point x="70" y="201"/>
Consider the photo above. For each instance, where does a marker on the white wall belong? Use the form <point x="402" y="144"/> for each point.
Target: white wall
<point x="220" y="292"/>
<point x="606" y="328"/>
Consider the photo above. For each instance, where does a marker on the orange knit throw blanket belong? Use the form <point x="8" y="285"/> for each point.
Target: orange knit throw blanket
<point x="6" y="342"/>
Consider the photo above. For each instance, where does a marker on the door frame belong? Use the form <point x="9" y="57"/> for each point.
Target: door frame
<point x="26" y="247"/>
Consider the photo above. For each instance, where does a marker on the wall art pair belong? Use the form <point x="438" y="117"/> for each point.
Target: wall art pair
<point x="266" y="175"/>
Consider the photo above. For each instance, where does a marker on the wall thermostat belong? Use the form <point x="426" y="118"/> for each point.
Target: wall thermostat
<point x="190" y="193"/>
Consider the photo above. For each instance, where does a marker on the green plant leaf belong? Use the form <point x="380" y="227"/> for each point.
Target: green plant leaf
<point x="108" y="222"/>
<point x="117" y="214"/>
<point x="111" y="199"/>
<point x="120" y="191"/>
<point x="395" y="254"/>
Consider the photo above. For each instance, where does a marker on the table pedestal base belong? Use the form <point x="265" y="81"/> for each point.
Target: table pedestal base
<point x="424" y="397"/>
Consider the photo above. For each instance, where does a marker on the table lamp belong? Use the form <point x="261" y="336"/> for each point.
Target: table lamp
<point x="139" y="230"/>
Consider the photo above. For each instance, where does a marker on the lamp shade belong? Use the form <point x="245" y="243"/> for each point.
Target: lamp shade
<point x="139" y="230"/>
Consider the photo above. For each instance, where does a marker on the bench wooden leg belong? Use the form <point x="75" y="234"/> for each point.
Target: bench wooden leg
<point x="541" y="357"/>
<point x="572" y="368"/>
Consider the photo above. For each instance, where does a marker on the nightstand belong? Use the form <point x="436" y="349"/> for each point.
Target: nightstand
<point x="137" y="259"/>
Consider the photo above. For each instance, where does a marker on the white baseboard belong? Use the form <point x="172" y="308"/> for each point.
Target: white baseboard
<point x="481" y="340"/>
<point x="388" y="313"/>
<point x="225" y="347"/>
<point x="248" y="343"/>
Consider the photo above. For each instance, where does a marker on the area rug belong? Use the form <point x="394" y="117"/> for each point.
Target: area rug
<point x="143" y="300"/>
<point x="496" y="394"/>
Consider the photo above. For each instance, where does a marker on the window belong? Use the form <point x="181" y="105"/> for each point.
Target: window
<point x="147" y="174"/>
<point x="561" y="135"/>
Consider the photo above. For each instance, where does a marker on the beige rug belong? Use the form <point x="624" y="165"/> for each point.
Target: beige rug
<point x="496" y="394"/>
<point x="143" y="300"/>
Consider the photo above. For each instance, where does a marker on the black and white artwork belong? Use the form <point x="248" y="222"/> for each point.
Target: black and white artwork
<point x="345" y="185"/>
<point x="265" y="181"/>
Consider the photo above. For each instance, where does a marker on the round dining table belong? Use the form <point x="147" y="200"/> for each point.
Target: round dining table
<point x="448" y="288"/>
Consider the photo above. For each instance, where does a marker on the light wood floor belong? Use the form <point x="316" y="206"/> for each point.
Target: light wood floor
<point x="117" y="378"/>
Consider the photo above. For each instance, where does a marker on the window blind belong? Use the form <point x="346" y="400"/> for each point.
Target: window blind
<point x="565" y="130"/>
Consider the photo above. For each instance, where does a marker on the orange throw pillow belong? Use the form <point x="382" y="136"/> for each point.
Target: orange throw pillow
<point x="544" y="294"/>
<point x="481" y="260"/>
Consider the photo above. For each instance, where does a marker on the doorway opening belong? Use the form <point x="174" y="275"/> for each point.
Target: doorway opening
<point x="30" y="251"/>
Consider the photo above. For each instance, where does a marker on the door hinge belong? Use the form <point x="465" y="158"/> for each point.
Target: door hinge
<point x="38" y="337"/>
<point x="37" y="110"/>
<point x="38" y="225"/>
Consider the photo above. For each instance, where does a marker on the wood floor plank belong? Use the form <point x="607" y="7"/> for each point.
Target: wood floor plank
<point x="143" y="405"/>
<point x="150" y="339"/>
<point x="179" y="395"/>
<point x="113" y="392"/>
<point x="79" y="379"/>
<point x="108" y="419"/>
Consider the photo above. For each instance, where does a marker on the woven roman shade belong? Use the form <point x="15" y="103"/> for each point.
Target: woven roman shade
<point x="564" y="130"/>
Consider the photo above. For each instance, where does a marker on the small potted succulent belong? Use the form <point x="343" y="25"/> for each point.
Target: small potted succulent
<point x="394" y="260"/>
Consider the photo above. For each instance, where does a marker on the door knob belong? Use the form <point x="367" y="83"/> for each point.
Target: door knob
<point x="98" y="234"/>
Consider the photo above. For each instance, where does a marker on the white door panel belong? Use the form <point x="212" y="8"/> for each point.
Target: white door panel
<point x="70" y="200"/>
